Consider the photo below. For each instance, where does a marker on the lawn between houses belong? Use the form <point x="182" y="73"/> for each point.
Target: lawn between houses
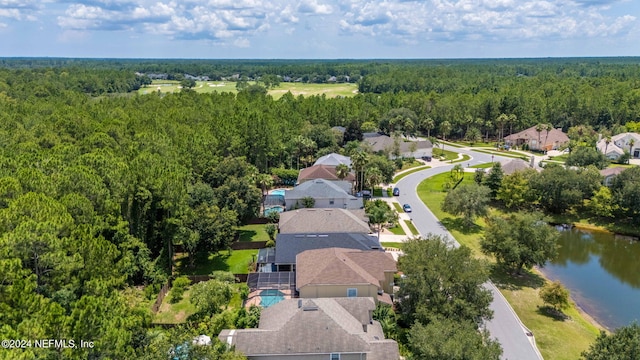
<point x="555" y="339"/>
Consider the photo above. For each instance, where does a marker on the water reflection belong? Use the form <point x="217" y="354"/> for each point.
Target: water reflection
<point x="602" y="272"/>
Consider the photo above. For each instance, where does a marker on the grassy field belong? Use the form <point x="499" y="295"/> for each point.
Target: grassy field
<point x="502" y="153"/>
<point x="253" y="232"/>
<point x="465" y="157"/>
<point x="409" y="172"/>
<point x="329" y="90"/>
<point x="556" y="338"/>
<point x="234" y="261"/>
<point x="397" y="207"/>
<point x="410" y="164"/>
<point x="448" y="155"/>
<point x="395" y="245"/>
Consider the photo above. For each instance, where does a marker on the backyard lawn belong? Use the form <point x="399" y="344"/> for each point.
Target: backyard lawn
<point x="253" y="232"/>
<point x="175" y="313"/>
<point x="397" y="230"/>
<point x="234" y="261"/>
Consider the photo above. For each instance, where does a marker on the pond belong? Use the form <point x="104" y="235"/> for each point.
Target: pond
<point x="603" y="274"/>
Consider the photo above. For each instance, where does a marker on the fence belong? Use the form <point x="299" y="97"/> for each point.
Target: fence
<point x="246" y="245"/>
<point x="163" y="292"/>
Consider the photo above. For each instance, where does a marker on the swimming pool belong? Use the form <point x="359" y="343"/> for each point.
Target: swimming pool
<point x="275" y="209"/>
<point x="277" y="192"/>
<point x="270" y="297"/>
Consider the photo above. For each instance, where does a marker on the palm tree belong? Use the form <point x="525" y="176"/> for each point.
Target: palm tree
<point x="374" y="177"/>
<point x="445" y="128"/>
<point x="607" y="140"/>
<point x="539" y="129"/>
<point x="342" y="171"/>
<point x="631" y="143"/>
<point x="501" y="121"/>
<point x="359" y="160"/>
<point x="547" y="127"/>
<point x="427" y="124"/>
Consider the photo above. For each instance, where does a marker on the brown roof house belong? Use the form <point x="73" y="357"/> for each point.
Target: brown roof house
<point x="407" y="149"/>
<point x="316" y="220"/>
<point x="341" y="272"/>
<point x="310" y="329"/>
<point x="326" y="172"/>
<point x="541" y="141"/>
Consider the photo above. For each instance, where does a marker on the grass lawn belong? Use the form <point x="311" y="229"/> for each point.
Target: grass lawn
<point x="397" y="230"/>
<point x="396" y="245"/>
<point x="253" y="232"/>
<point x="175" y="313"/>
<point x="482" y="166"/>
<point x="451" y="144"/>
<point x="408" y="164"/>
<point x="412" y="227"/>
<point x="562" y="158"/>
<point x="234" y="261"/>
<point x="377" y="192"/>
<point x="556" y="338"/>
<point x="409" y="172"/>
<point x="502" y="153"/>
<point x="329" y="90"/>
<point x="397" y="207"/>
<point x="465" y="157"/>
<point x="448" y="155"/>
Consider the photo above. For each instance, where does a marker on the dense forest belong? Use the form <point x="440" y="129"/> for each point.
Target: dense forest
<point x="97" y="183"/>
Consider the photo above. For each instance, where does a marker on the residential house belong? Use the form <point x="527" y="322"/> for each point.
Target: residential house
<point x="288" y="246"/>
<point x="629" y="142"/>
<point x="333" y="159"/>
<point x="340" y="272"/>
<point x="541" y="141"/>
<point x="326" y="172"/>
<point x="310" y="329"/>
<point x="409" y="149"/>
<point x="610" y="173"/>
<point x="327" y="194"/>
<point x="515" y="165"/>
<point x="316" y="221"/>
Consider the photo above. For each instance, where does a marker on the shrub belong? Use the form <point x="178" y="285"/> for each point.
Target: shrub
<point x="178" y="288"/>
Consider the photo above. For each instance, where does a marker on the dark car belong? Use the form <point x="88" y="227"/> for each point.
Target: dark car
<point x="396" y="192"/>
<point x="406" y="208"/>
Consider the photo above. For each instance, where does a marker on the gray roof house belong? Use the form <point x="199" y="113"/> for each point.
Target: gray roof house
<point x="333" y="159"/>
<point x="610" y="173"/>
<point x="329" y="328"/>
<point x="327" y="194"/>
<point x="408" y="149"/>
<point x="288" y="246"/>
<point x="515" y="165"/>
<point x="619" y="144"/>
<point x="322" y="221"/>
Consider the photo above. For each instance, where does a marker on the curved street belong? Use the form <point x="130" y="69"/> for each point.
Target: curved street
<point x="516" y="340"/>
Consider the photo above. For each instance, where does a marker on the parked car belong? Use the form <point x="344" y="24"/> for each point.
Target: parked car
<point x="426" y="158"/>
<point x="396" y="192"/>
<point x="406" y="208"/>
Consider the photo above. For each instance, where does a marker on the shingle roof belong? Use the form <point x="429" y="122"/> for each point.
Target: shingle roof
<point x="288" y="246"/>
<point x="321" y="220"/>
<point x="550" y="138"/>
<point x="333" y="159"/>
<point x="317" y="189"/>
<point x="340" y="266"/>
<point x="315" y="326"/>
<point x="327" y="172"/>
<point x="384" y="142"/>
<point x="612" y="171"/>
<point x="515" y="165"/>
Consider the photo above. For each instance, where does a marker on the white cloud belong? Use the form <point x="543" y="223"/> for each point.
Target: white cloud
<point x="315" y="8"/>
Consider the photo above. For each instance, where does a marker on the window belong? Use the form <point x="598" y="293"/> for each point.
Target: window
<point x="335" y="357"/>
<point x="331" y="202"/>
<point x="352" y="292"/>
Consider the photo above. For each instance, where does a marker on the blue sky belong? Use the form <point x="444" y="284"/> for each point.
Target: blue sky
<point x="310" y="29"/>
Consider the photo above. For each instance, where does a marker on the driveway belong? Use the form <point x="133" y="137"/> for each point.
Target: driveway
<point x="505" y="325"/>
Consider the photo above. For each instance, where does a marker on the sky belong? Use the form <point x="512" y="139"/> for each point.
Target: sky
<point x="319" y="29"/>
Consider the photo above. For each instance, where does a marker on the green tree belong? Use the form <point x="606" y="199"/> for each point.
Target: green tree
<point x="494" y="179"/>
<point x="515" y="191"/>
<point x="442" y="282"/>
<point x="520" y="240"/>
<point x="478" y="176"/>
<point x="379" y="213"/>
<point x="210" y="296"/>
<point x="602" y="203"/>
<point x="622" y="344"/>
<point x="359" y="160"/>
<point x="468" y="201"/>
<point x="308" y="202"/>
<point x="271" y="231"/>
<point x="342" y="171"/>
<point x="445" y="129"/>
<point x="447" y="339"/>
<point x="555" y="295"/>
<point x="625" y="190"/>
<point x="558" y="189"/>
<point x="584" y="156"/>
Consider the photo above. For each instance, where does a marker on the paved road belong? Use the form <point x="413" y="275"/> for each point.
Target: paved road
<point x="505" y="325"/>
